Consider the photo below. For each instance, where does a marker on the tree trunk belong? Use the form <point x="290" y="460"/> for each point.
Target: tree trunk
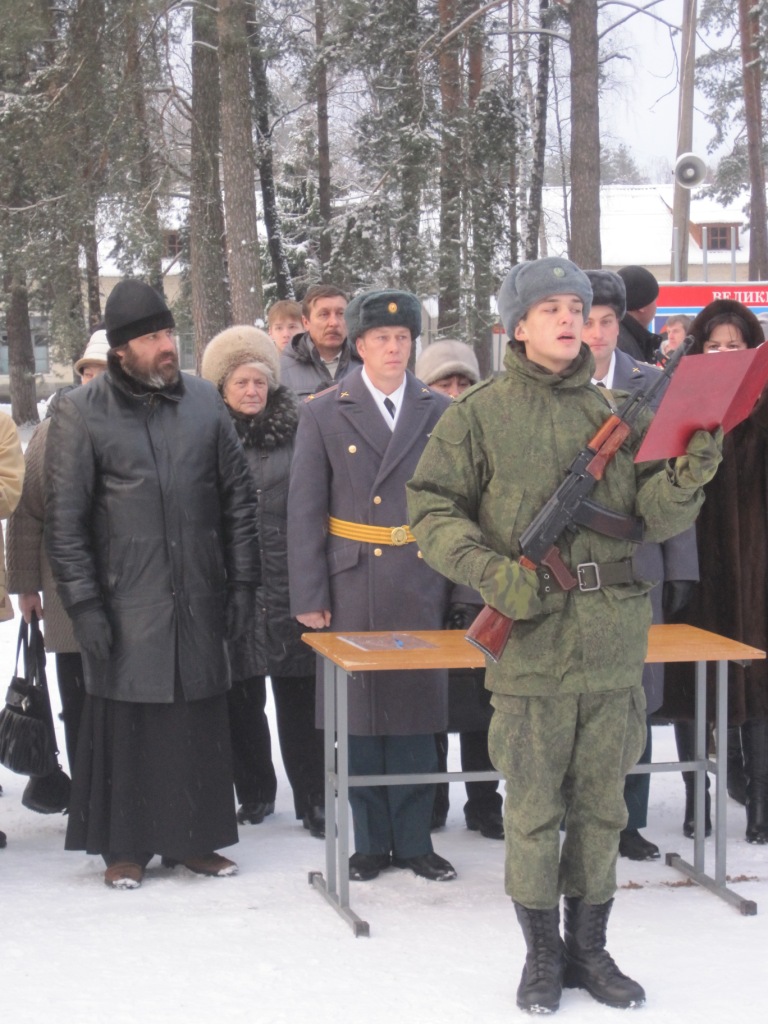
<point x="280" y="268"/>
<point x="323" y="143"/>
<point x="539" y="139"/>
<point x="749" y="27"/>
<point x="208" y="271"/>
<point x="585" y="136"/>
<point x="21" y="353"/>
<point x="449" y="264"/>
<point x="238" y="162"/>
<point x="479" y="319"/>
<point x="145" y="163"/>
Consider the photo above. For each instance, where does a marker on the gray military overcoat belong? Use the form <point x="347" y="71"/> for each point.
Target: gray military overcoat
<point x="349" y="464"/>
<point x="673" y="559"/>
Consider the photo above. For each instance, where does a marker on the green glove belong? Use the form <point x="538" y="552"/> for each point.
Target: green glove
<point x="511" y="589"/>
<point x="703" y="455"/>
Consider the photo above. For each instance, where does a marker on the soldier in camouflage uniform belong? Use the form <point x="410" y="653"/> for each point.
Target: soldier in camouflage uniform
<point x="569" y="719"/>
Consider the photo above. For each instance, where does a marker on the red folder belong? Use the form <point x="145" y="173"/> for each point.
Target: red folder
<point x="706" y="391"/>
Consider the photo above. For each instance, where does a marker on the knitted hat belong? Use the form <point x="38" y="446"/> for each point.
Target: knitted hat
<point x="238" y="345"/>
<point x="608" y="289"/>
<point x="95" y="351"/>
<point x="642" y="287"/>
<point x="383" y="309"/>
<point x="444" y="359"/>
<point x="134" y="309"/>
<point x="529" y="283"/>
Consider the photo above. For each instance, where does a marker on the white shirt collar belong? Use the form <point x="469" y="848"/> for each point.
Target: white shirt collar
<point x="378" y="396"/>
<point x="607" y="380"/>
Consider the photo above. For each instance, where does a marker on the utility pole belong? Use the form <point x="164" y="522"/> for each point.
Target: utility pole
<point x="681" y="205"/>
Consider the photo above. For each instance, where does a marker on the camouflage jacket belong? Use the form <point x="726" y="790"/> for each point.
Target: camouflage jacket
<point x="494" y="458"/>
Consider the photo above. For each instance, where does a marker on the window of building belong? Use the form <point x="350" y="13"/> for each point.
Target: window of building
<point x="172" y="245"/>
<point x="719" y="237"/>
<point x="39" y="345"/>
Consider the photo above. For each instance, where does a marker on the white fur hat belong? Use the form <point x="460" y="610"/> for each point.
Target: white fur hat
<point x="235" y="346"/>
<point x="95" y="351"/>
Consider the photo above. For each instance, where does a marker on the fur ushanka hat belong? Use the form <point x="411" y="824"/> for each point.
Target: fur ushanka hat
<point x="529" y="283"/>
<point x="608" y="289"/>
<point x="388" y="308"/>
<point x="238" y="345"/>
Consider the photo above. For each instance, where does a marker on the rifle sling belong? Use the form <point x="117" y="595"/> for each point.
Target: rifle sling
<point x="609" y="523"/>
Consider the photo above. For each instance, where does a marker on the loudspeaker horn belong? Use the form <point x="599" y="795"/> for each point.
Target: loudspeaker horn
<point x="689" y="170"/>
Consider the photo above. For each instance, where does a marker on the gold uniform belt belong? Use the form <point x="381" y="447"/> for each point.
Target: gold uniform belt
<point x="396" y="535"/>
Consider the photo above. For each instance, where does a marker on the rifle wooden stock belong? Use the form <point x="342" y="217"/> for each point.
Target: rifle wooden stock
<point x="490" y="632"/>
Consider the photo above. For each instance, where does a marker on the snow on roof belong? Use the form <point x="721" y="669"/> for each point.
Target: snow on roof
<point x="636" y="225"/>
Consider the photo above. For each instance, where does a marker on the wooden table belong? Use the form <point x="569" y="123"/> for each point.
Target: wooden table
<point x="449" y="649"/>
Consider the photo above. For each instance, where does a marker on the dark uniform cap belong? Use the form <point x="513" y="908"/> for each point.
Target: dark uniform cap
<point x="134" y="309"/>
<point x="608" y="289"/>
<point x="383" y="309"/>
<point x="642" y="287"/>
<point x="529" y="283"/>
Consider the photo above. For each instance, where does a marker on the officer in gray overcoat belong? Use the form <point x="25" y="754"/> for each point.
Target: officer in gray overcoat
<point x="671" y="565"/>
<point x="353" y="565"/>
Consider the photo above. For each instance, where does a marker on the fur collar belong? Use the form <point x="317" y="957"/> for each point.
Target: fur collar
<point x="272" y="428"/>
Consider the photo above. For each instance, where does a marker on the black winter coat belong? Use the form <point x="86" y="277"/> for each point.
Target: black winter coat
<point x="274" y="645"/>
<point x="149" y="509"/>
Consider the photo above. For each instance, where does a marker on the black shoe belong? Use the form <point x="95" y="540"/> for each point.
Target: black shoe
<point x="428" y="865"/>
<point x="255" y="813"/>
<point x="541" y="984"/>
<point x="365" y="866"/>
<point x="3" y="840"/>
<point x="588" y="964"/>
<point x="313" y="820"/>
<point x="636" y="847"/>
<point x="488" y="823"/>
<point x="689" y="826"/>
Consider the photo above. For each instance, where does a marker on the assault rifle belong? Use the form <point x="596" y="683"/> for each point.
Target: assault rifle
<point x="570" y="507"/>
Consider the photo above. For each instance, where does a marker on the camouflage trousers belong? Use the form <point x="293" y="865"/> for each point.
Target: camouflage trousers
<point x="565" y="759"/>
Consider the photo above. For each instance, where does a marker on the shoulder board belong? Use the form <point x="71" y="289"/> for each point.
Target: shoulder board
<point x="319" y="394"/>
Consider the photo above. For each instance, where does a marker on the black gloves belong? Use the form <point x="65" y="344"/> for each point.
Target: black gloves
<point x="461" y="616"/>
<point x="92" y="629"/>
<point x="241" y="609"/>
<point x="675" y="595"/>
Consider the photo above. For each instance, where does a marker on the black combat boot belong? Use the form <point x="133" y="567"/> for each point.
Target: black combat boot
<point x="685" y="738"/>
<point x="541" y="984"/>
<point x="588" y="964"/>
<point x="737" y="780"/>
<point x="754" y="738"/>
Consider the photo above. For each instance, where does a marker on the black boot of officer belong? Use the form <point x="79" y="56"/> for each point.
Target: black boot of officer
<point x="541" y="984"/>
<point x="588" y="964"/>
<point x="754" y="736"/>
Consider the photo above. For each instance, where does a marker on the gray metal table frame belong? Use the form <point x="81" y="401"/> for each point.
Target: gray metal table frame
<point x="334" y="885"/>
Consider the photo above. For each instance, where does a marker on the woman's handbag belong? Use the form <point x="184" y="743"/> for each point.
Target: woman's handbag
<point x="27" y="735"/>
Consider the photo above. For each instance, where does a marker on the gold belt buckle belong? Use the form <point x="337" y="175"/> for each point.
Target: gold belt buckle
<point x="399" y="536"/>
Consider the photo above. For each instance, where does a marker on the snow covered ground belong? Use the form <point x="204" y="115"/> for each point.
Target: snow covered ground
<point x="265" y="947"/>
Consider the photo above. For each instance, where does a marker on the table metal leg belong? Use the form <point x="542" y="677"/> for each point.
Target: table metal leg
<point x="696" y="870"/>
<point x="335" y="886"/>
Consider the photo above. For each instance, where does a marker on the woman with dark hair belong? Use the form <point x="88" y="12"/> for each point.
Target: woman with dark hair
<point x="732" y="597"/>
<point x="243" y="363"/>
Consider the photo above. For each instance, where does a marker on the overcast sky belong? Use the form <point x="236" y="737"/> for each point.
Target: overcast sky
<point x="641" y="109"/>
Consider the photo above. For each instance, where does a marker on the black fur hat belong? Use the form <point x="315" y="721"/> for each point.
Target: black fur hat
<point x="383" y="309"/>
<point x="134" y="309"/>
<point x="608" y="289"/>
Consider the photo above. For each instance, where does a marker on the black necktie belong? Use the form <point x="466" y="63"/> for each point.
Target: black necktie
<point x="389" y="405"/>
<point x="601" y="383"/>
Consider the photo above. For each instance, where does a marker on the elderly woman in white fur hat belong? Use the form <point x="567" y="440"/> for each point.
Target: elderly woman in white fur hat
<point x="243" y="363"/>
